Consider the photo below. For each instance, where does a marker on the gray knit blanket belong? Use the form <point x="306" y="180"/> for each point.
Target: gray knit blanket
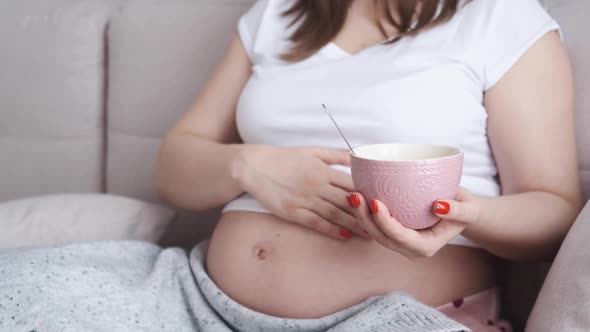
<point x="137" y="286"/>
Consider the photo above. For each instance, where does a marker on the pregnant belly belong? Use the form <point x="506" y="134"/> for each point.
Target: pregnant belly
<point x="282" y="269"/>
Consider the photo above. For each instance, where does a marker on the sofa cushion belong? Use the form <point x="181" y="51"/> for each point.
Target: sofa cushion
<point x="161" y="52"/>
<point x="564" y="301"/>
<point x="60" y="219"/>
<point x="51" y="95"/>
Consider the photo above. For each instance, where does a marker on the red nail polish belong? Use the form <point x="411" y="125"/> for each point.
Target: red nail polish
<point x="345" y="233"/>
<point x="349" y="200"/>
<point x="374" y="207"/>
<point x="355" y="200"/>
<point x="441" y="207"/>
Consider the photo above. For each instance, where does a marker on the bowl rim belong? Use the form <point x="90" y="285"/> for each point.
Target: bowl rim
<point x="456" y="154"/>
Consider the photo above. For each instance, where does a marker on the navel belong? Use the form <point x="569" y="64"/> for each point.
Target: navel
<point x="260" y="253"/>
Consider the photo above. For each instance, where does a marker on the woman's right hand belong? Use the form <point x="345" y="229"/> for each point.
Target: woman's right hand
<point x="298" y="185"/>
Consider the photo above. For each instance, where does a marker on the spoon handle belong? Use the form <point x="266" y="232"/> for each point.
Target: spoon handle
<point x="340" y="131"/>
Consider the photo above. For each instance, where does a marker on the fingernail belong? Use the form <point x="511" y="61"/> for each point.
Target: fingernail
<point x="345" y="233"/>
<point x="349" y="200"/>
<point x="366" y="233"/>
<point x="441" y="207"/>
<point x="374" y="207"/>
<point x="355" y="200"/>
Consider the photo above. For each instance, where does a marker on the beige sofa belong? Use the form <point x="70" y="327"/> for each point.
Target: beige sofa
<point x="88" y="88"/>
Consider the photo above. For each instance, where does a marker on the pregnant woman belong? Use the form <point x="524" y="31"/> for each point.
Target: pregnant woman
<point x="297" y="248"/>
<point x="488" y="76"/>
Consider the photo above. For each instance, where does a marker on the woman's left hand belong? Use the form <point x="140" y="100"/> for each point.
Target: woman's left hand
<point x="374" y="217"/>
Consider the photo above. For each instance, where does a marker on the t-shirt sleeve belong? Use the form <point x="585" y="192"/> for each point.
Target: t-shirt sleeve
<point x="249" y="24"/>
<point x="513" y="27"/>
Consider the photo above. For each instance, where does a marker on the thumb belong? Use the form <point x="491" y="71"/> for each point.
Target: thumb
<point x="332" y="156"/>
<point x="466" y="212"/>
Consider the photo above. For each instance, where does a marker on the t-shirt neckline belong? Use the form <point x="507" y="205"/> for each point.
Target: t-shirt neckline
<point x="337" y="50"/>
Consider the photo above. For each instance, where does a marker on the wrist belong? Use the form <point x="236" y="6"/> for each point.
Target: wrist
<point x="238" y="164"/>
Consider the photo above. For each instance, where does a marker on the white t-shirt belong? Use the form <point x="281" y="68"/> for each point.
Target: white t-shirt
<point x="423" y="89"/>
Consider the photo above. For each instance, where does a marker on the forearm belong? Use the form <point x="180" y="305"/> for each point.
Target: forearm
<point x="523" y="226"/>
<point x="195" y="173"/>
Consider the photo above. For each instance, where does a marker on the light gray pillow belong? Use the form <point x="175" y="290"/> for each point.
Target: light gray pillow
<point x="67" y="218"/>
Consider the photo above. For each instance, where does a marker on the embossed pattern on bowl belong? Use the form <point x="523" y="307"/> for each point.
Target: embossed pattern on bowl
<point x="409" y="188"/>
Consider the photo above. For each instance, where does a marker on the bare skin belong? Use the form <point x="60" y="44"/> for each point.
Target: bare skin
<point x="285" y="270"/>
<point x="297" y="262"/>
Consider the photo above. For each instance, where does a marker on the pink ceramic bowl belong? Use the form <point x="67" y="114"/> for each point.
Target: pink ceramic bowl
<point x="408" y="178"/>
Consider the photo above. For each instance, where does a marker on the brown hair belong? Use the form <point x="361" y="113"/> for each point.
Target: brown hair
<point x="321" y="20"/>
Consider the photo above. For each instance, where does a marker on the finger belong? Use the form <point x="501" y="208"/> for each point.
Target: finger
<point x="416" y="243"/>
<point x="464" y="195"/>
<point x="341" y="179"/>
<point x="337" y="197"/>
<point x="364" y="218"/>
<point x="311" y="220"/>
<point x="336" y="215"/>
<point x="332" y="156"/>
<point x="443" y="232"/>
<point x="392" y="228"/>
<point x="466" y="212"/>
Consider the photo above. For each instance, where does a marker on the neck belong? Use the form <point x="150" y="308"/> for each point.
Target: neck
<point x="372" y="11"/>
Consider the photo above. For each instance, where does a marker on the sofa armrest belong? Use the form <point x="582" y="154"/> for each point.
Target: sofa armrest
<point x="564" y="301"/>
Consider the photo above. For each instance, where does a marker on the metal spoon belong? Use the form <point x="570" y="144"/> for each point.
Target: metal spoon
<point x="340" y="131"/>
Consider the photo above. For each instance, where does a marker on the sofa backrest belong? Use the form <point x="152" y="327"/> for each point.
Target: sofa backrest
<point x="88" y="88"/>
<point x="160" y="54"/>
<point x="52" y="79"/>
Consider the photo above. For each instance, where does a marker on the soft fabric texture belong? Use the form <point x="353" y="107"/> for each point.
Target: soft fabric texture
<point x="60" y="219"/>
<point x="51" y="95"/>
<point x="136" y="286"/>
<point x="160" y="54"/>
<point x="378" y="94"/>
<point x="564" y="301"/>
<point x="480" y="312"/>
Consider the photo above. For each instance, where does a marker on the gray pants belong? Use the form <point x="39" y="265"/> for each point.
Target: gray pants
<point x="136" y="286"/>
